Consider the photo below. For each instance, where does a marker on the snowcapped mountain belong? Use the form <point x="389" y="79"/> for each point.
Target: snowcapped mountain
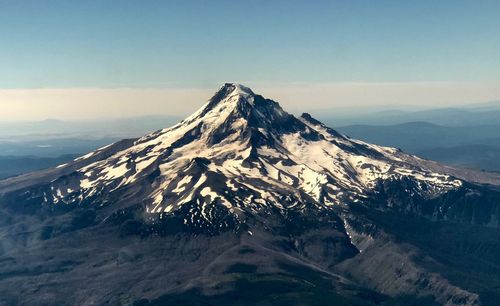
<point x="241" y="165"/>
<point x="242" y="152"/>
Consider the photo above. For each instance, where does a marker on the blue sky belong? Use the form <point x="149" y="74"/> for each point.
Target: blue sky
<point x="345" y="53"/>
<point x="57" y="44"/>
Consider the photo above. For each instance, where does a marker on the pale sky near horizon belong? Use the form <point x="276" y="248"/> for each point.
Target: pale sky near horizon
<point x="100" y="103"/>
<point x="108" y="58"/>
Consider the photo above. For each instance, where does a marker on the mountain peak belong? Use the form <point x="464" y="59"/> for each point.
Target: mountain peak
<point x="229" y="96"/>
<point x="237" y="89"/>
<point x="231" y="92"/>
<point x="233" y="103"/>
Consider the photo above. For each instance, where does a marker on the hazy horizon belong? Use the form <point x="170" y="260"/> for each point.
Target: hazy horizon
<point x="114" y="103"/>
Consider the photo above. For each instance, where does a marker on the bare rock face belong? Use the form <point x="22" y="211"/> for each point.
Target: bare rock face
<point x="243" y="198"/>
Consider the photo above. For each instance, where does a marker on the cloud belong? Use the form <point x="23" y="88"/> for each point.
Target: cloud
<point x="87" y="103"/>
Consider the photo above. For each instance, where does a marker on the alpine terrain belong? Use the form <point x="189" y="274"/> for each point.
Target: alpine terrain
<point x="243" y="203"/>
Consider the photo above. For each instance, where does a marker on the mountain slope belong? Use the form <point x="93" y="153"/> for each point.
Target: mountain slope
<point x="238" y="195"/>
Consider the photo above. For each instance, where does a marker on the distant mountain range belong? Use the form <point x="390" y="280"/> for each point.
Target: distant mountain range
<point x="52" y="147"/>
<point x="481" y="114"/>
<point x="484" y="157"/>
<point x="467" y="146"/>
<point x="87" y="129"/>
<point x="15" y="165"/>
<point x="243" y="203"/>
